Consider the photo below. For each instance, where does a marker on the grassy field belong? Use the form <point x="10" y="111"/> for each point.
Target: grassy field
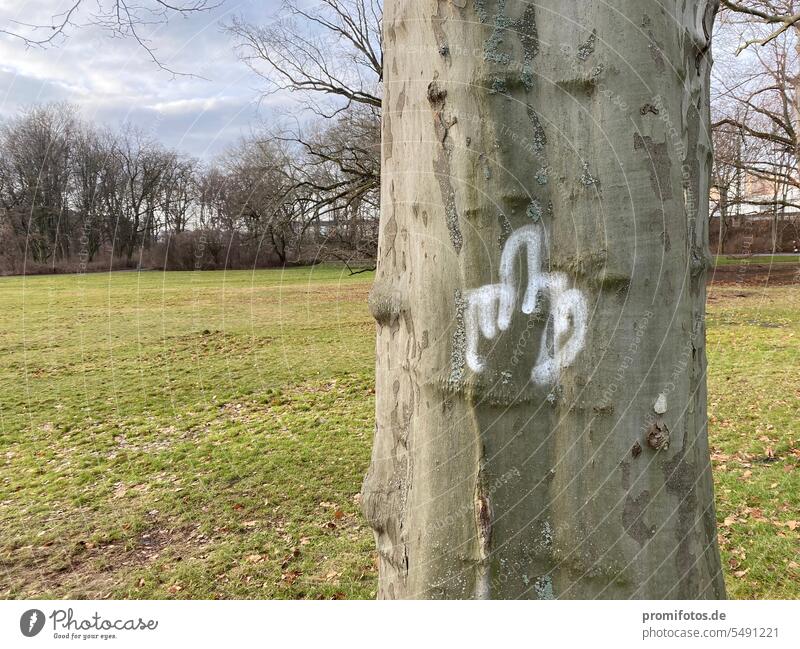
<point x="733" y="260"/>
<point x="201" y="435"/>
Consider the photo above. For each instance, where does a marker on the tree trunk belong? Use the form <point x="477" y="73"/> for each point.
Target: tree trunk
<point x="795" y="99"/>
<point x="541" y="396"/>
<point x="774" y="224"/>
<point x="723" y="219"/>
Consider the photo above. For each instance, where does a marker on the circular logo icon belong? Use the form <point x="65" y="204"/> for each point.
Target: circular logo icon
<point x="31" y="622"/>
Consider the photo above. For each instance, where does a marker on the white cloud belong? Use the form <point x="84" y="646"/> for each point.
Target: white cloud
<point x="113" y="79"/>
<point x="193" y="105"/>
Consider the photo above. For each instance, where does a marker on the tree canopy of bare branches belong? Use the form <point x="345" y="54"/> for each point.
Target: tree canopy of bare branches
<point x="778" y="16"/>
<point x="755" y="117"/>
<point x="333" y="49"/>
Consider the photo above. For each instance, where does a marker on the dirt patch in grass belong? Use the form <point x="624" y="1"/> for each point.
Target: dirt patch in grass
<point x="85" y="569"/>
<point x="778" y="274"/>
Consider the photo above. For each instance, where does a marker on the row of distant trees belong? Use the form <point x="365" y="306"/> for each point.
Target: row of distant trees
<point x="74" y="196"/>
<point x="71" y="194"/>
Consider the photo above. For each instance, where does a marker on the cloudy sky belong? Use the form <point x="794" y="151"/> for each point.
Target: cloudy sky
<point x="113" y="80"/>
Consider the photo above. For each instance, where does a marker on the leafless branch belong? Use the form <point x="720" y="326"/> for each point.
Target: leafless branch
<point x="119" y="17"/>
<point x="768" y="15"/>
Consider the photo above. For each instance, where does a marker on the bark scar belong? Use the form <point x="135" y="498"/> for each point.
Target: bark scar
<point x="483" y="524"/>
<point x="441" y="165"/>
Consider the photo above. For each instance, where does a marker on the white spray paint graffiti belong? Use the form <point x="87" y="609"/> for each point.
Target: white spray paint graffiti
<point x="490" y="308"/>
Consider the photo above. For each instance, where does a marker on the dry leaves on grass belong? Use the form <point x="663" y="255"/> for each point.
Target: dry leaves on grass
<point x="290" y="577"/>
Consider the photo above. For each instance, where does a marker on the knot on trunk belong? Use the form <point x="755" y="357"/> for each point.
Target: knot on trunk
<point x="658" y="436"/>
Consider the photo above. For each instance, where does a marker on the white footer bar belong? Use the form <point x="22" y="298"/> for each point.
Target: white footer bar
<point x="405" y="625"/>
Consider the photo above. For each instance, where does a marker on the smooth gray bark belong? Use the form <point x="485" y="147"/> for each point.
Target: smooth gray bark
<point x="541" y="397"/>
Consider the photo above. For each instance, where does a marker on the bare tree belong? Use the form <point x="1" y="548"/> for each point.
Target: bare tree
<point x="179" y="194"/>
<point x="756" y="127"/>
<point x="144" y="166"/>
<point x="89" y="164"/>
<point x="337" y="168"/>
<point x="331" y="56"/>
<point x="36" y="148"/>
<point x="777" y="17"/>
<point x="332" y="49"/>
<point x="725" y="178"/>
<point x="764" y="88"/>
<point x="259" y="194"/>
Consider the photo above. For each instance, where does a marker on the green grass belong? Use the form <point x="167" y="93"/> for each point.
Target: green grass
<point x="201" y="435"/>
<point x="190" y="435"/>
<point x="733" y="260"/>
<point x="754" y="399"/>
